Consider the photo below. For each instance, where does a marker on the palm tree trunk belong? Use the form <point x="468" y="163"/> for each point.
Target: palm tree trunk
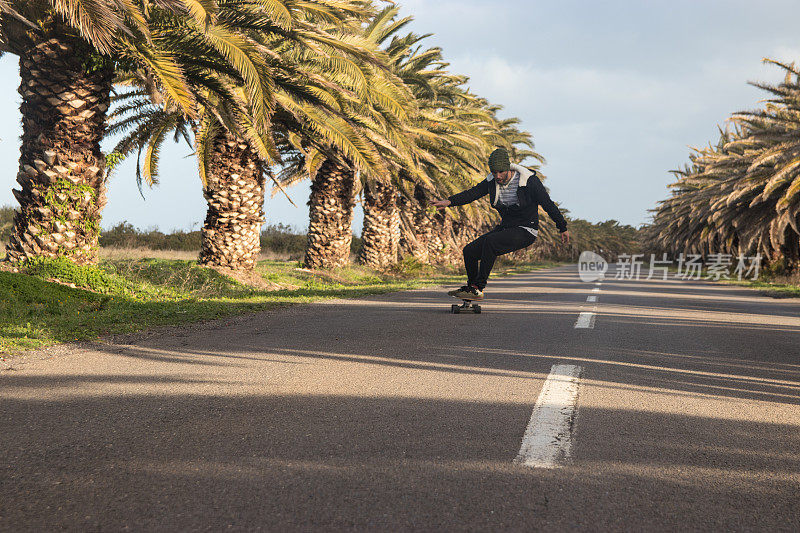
<point x="231" y="235"/>
<point x="442" y="248"/>
<point x="61" y="167"/>
<point x="417" y="227"/>
<point x="381" y="234"/>
<point x="330" y="216"/>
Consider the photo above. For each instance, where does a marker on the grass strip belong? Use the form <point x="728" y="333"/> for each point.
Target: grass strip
<point x="54" y="301"/>
<point x="768" y="287"/>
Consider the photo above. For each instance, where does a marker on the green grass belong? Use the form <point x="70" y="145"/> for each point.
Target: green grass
<point x="768" y="283"/>
<point x="777" y="288"/>
<point x="123" y="296"/>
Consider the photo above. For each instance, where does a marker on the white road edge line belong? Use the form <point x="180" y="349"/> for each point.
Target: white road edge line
<point x="548" y="436"/>
<point x="591" y="298"/>
<point x="585" y="320"/>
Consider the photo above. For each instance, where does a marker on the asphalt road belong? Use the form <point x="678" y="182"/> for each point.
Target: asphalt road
<point x="389" y="413"/>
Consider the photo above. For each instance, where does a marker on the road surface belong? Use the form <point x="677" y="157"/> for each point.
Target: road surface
<point x="679" y="410"/>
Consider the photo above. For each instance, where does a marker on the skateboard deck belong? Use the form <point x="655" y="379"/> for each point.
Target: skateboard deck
<point x="466" y="307"/>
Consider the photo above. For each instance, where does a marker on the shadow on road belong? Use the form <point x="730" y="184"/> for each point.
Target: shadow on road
<point x="94" y="450"/>
<point x="167" y="461"/>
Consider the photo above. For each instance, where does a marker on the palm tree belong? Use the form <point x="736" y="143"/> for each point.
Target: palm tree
<point x="441" y="142"/>
<point x="234" y="191"/>
<point x="376" y="116"/>
<point x="742" y="195"/>
<point x="302" y="66"/>
<point x="381" y="232"/>
<point x="608" y="238"/>
<point x="230" y="80"/>
<point x="331" y="215"/>
<point x="772" y="180"/>
<point x="307" y="68"/>
<point x="68" y="52"/>
<point x="438" y="145"/>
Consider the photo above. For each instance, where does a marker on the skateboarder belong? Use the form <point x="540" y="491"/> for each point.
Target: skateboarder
<point x="516" y="193"/>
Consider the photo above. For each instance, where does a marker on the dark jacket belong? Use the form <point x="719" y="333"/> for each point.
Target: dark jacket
<point x="531" y="194"/>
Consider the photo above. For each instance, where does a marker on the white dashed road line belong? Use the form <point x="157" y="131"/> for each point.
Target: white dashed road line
<point x="585" y="320"/>
<point x="548" y="436"/>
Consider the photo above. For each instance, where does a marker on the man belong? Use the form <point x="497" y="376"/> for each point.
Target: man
<point x="516" y="193"/>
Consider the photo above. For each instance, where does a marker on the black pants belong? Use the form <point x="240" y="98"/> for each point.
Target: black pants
<point x="480" y="254"/>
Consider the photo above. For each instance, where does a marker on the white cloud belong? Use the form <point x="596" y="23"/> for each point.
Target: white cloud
<point x="545" y="96"/>
<point x="575" y="93"/>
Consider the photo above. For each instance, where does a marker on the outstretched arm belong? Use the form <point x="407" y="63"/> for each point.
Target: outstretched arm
<point x="464" y="197"/>
<point x="544" y="200"/>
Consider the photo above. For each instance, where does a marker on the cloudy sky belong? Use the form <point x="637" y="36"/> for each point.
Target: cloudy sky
<point x="614" y="93"/>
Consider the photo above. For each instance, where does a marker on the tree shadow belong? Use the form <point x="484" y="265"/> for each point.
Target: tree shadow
<point x="413" y="330"/>
<point x="112" y="451"/>
<point x="277" y="462"/>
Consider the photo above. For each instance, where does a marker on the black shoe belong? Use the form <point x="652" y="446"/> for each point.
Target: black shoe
<point x="453" y="292"/>
<point x="467" y="292"/>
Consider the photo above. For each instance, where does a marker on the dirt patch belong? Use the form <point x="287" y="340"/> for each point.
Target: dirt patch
<point x="251" y="279"/>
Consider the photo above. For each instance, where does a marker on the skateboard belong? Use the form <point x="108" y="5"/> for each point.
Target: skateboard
<point x="465" y="307"/>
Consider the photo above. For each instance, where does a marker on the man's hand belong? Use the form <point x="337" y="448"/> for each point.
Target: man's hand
<point x="440" y="204"/>
<point x="565" y="237"/>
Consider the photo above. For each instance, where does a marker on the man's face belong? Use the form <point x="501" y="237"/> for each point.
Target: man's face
<point x="502" y="177"/>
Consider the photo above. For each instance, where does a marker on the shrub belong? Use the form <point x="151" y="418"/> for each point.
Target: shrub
<point x="86" y="277"/>
<point x="276" y="238"/>
<point x="283" y="239"/>
<point x="185" y="277"/>
<point x="410" y="266"/>
<point x="356" y="244"/>
<point x="125" y="235"/>
<point x="779" y="267"/>
<point x="6" y="222"/>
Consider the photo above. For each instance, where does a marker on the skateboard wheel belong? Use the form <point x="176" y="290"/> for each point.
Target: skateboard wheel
<point x="477" y="309"/>
<point x="454" y="309"/>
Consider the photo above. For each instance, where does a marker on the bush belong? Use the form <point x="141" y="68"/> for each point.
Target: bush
<point x="779" y="267"/>
<point x="283" y="239"/>
<point x="356" y="244"/>
<point x="86" y="277"/>
<point x="183" y="277"/>
<point x="125" y="235"/>
<point x="6" y="222"/>
<point x="410" y="266"/>
<point x="280" y="239"/>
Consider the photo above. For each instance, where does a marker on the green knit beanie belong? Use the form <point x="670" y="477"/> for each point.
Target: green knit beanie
<point x="498" y="161"/>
